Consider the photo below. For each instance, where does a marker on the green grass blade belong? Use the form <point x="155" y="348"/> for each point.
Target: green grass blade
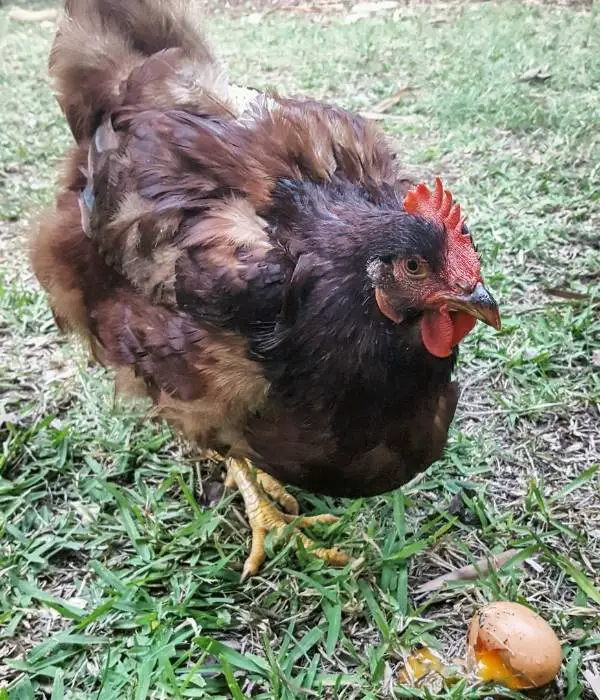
<point x="244" y="662"/>
<point x="333" y="615"/>
<point x="58" y="686"/>
<point x="233" y="685"/>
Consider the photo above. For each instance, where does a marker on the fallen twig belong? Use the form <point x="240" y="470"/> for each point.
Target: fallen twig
<point x="392" y="100"/>
<point x="566" y="294"/>
<point x="378" y="116"/>
<point x="469" y="572"/>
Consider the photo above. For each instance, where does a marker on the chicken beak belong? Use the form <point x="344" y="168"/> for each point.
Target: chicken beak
<point x="479" y="304"/>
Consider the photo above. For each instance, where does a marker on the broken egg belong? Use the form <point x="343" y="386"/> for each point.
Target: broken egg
<point x="425" y="669"/>
<point x="419" y="664"/>
<point x="510" y="644"/>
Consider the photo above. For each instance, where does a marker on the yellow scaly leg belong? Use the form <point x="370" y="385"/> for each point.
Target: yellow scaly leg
<point x="263" y="516"/>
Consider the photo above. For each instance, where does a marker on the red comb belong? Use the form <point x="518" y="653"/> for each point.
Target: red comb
<point x="437" y="206"/>
<point x="462" y="261"/>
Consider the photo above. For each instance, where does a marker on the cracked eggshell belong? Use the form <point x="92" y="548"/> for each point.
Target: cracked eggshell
<point x="511" y="644"/>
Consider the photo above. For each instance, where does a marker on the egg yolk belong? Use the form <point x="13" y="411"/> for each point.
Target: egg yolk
<point x="418" y="665"/>
<point x="493" y="667"/>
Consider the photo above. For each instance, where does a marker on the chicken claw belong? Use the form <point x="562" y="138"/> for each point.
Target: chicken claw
<point x="277" y="492"/>
<point x="264" y="516"/>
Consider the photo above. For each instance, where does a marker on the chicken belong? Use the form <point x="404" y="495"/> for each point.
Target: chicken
<point x="263" y="272"/>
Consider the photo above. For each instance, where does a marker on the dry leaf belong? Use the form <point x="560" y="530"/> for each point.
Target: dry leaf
<point x="12" y="418"/>
<point x="594" y="680"/>
<point x="596" y="358"/>
<point x="21" y="15"/>
<point x="362" y="10"/>
<point x="367" y="8"/>
<point x="468" y="573"/>
<point x="535" y="75"/>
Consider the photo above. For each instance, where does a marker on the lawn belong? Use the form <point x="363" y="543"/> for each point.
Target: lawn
<point x="120" y="556"/>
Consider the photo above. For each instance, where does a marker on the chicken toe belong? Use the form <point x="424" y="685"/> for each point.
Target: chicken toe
<point x="264" y="517"/>
<point x="277" y="491"/>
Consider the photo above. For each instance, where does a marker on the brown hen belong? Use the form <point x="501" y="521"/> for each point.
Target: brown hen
<point x="260" y="271"/>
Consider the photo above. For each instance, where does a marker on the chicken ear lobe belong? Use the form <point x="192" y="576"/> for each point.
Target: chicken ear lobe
<point x="386" y="307"/>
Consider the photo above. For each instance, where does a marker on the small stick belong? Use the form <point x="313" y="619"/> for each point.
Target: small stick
<point x="392" y="100"/>
<point x="566" y="294"/>
<point x="469" y="572"/>
<point x="379" y="116"/>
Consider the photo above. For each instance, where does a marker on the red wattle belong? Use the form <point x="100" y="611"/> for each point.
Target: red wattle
<point x="441" y="331"/>
<point x="463" y="324"/>
<point x="437" y="332"/>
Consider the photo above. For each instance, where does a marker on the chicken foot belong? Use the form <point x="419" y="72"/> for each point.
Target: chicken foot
<point x="263" y="516"/>
<point x="273" y="488"/>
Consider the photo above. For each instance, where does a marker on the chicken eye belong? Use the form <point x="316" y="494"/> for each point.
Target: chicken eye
<point x="416" y="268"/>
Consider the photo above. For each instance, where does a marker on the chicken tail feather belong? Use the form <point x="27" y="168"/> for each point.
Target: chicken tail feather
<point x="101" y="43"/>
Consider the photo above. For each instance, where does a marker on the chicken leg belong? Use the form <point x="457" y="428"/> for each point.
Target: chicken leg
<point x="263" y="516"/>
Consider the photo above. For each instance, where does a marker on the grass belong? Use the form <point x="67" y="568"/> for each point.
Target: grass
<point x="120" y="562"/>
